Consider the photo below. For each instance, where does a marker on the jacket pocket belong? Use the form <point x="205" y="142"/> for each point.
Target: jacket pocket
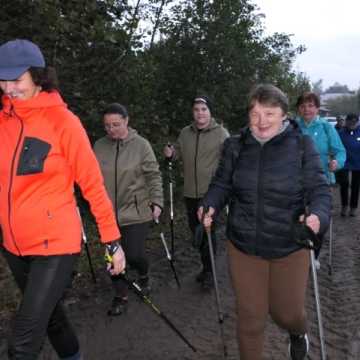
<point x="32" y="156"/>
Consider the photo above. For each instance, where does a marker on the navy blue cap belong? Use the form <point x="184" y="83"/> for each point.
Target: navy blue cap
<point x="17" y="56"/>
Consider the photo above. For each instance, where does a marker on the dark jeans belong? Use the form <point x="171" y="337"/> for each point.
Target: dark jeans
<point x="42" y="281"/>
<point x="342" y="177"/>
<point x="191" y="208"/>
<point x="133" y="243"/>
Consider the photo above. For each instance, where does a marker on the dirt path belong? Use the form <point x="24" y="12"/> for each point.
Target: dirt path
<point x="140" y="334"/>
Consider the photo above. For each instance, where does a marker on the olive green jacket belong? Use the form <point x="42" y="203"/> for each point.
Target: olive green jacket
<point x="139" y="182"/>
<point x="200" y="152"/>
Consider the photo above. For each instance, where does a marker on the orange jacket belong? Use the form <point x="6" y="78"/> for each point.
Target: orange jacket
<point x="44" y="150"/>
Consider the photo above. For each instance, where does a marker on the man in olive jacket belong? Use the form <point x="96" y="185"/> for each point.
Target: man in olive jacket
<point x="200" y="146"/>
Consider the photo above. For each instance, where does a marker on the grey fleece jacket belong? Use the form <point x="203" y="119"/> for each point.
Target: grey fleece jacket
<point x="139" y="182"/>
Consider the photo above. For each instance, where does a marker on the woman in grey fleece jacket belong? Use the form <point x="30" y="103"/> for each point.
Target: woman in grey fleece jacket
<point x="133" y="182"/>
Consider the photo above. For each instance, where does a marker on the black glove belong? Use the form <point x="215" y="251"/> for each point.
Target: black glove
<point x="306" y="237"/>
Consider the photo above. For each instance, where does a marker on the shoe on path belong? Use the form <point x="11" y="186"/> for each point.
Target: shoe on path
<point x="298" y="347"/>
<point x="118" y="306"/>
<point x="208" y="281"/>
<point x="352" y="212"/>
<point x="200" y="276"/>
<point x="343" y="211"/>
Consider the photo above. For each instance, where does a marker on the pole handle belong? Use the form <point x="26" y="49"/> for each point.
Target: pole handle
<point x="205" y="211"/>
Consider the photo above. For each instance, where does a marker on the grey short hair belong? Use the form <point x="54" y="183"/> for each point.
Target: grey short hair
<point x="267" y="94"/>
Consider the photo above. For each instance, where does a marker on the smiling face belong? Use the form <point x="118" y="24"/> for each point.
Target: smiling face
<point x="22" y="88"/>
<point x="201" y="114"/>
<point x="308" y="111"/>
<point x="116" y="126"/>
<point x="265" y="120"/>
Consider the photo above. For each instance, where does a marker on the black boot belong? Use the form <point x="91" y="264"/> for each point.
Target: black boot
<point x="118" y="306"/>
<point x="205" y="278"/>
<point x="298" y="347"/>
<point x="200" y="276"/>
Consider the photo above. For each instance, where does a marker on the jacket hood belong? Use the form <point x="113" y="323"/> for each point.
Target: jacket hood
<point x="313" y="122"/>
<point x="41" y="101"/>
<point x="132" y="134"/>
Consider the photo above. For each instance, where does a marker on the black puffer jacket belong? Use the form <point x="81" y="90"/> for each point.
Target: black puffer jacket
<point x="263" y="186"/>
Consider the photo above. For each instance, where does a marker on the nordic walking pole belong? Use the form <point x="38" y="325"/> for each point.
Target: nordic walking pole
<point x="317" y="301"/>
<point x="331" y="242"/>
<point x="331" y="246"/>
<point x="171" y="195"/>
<point x="213" y="268"/>
<point x="168" y="255"/>
<point x="137" y="290"/>
<point x="84" y="239"/>
<point x="311" y="241"/>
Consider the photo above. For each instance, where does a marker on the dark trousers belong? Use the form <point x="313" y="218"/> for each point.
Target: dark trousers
<point x="191" y="209"/>
<point x="42" y="281"/>
<point x="342" y="177"/>
<point x="133" y="243"/>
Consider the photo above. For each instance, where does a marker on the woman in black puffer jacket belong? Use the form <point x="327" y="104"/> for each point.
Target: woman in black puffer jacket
<point x="264" y="175"/>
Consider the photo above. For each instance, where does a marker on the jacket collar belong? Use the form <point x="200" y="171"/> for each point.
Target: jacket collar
<point x="312" y="123"/>
<point x="24" y="108"/>
<point x="132" y="134"/>
<point x="212" y="124"/>
<point x="290" y="127"/>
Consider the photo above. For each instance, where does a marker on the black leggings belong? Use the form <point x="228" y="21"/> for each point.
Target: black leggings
<point x="133" y="243"/>
<point x="342" y="177"/>
<point x="42" y="281"/>
<point x="191" y="208"/>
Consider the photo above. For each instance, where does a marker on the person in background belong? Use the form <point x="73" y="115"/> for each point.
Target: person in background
<point x="133" y="182"/>
<point x="44" y="151"/>
<point x="340" y="123"/>
<point x="325" y="137"/>
<point x="350" y="137"/>
<point x="199" y="145"/>
<point x="266" y="175"/>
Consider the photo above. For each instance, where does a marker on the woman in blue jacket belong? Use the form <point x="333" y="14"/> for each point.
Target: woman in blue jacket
<point x="325" y="137"/>
<point x="350" y="136"/>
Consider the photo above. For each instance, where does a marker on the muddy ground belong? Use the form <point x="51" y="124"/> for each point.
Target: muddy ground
<point x="140" y="334"/>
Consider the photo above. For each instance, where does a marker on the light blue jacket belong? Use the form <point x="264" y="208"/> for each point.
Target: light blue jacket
<point x="327" y="142"/>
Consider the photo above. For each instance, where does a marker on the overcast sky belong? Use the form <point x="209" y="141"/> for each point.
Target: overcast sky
<point x="329" y="29"/>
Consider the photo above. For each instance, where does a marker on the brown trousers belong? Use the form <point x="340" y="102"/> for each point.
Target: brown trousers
<point x="276" y="287"/>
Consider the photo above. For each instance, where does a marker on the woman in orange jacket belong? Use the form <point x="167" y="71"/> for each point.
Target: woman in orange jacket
<point x="44" y="151"/>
